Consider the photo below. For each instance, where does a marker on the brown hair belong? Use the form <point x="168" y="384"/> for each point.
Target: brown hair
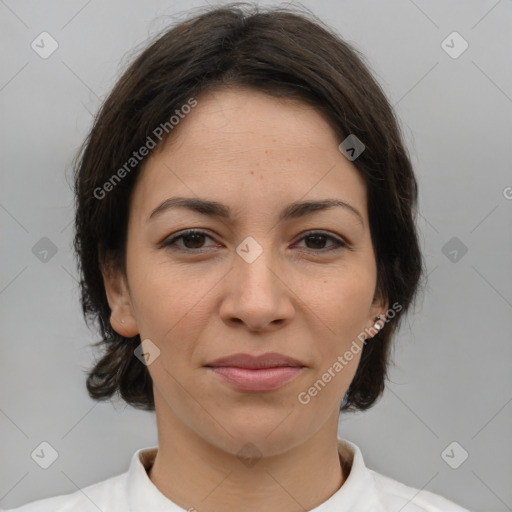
<point x="280" y="52"/>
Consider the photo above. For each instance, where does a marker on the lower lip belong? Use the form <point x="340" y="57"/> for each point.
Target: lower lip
<point x="264" y="379"/>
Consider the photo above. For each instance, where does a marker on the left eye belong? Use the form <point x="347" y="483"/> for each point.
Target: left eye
<point x="320" y="238"/>
<point x="193" y="240"/>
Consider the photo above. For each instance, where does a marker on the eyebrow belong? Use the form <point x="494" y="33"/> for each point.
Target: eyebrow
<point x="216" y="209"/>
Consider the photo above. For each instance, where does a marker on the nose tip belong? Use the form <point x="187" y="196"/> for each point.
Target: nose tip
<point x="256" y="296"/>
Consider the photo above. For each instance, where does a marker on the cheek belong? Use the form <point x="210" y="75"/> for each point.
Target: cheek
<point x="165" y="313"/>
<point x="343" y="301"/>
<point x="343" y="305"/>
<point x="170" y="306"/>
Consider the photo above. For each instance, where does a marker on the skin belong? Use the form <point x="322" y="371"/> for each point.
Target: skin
<point x="254" y="153"/>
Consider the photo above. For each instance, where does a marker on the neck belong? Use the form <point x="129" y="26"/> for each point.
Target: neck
<point x="196" y="475"/>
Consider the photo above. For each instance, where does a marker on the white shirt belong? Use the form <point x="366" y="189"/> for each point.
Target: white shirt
<point x="364" y="490"/>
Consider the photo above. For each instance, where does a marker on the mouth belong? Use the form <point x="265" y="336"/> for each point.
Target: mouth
<point x="266" y="372"/>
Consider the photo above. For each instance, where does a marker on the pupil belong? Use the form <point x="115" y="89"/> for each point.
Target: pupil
<point x="317" y="238"/>
<point x="193" y="236"/>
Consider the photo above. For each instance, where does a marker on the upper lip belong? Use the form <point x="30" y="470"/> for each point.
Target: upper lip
<point x="268" y="360"/>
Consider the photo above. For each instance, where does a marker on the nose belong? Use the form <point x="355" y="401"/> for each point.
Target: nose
<point x="257" y="294"/>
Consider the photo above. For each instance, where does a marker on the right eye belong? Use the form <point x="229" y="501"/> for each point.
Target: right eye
<point x="191" y="241"/>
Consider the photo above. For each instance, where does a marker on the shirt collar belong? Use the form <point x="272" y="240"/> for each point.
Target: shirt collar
<point x="358" y="490"/>
<point x="141" y="491"/>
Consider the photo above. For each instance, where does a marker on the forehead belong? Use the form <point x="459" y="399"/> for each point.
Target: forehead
<point x="246" y="120"/>
<point x="248" y="145"/>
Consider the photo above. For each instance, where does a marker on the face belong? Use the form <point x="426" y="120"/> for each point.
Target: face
<point x="259" y="276"/>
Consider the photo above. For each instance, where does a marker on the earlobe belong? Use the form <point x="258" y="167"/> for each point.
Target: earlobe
<point x="378" y="315"/>
<point x="122" y="317"/>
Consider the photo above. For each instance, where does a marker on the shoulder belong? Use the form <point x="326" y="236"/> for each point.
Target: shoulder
<point x="98" y="496"/>
<point x="394" y="494"/>
<point x="374" y="492"/>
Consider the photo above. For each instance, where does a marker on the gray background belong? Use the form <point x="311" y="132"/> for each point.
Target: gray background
<point x="452" y="379"/>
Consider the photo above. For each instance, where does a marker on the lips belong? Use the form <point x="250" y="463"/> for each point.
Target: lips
<point x="268" y="360"/>
<point x="247" y="373"/>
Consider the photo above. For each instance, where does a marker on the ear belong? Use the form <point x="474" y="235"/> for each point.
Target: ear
<point x="379" y="307"/>
<point x="122" y="317"/>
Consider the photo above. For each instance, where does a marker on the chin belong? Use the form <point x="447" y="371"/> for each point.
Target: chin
<point x="267" y="434"/>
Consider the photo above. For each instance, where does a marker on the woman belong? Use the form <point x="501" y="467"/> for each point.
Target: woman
<point x="247" y="246"/>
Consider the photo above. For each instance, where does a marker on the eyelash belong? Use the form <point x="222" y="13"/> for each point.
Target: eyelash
<point x="170" y="242"/>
